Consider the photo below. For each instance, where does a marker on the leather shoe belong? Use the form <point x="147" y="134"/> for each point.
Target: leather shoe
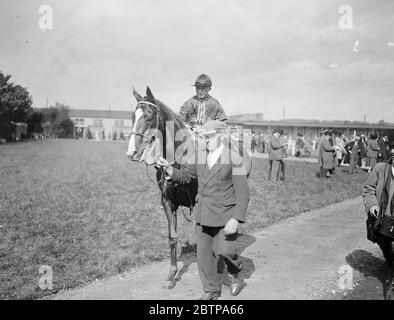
<point x="210" y="296"/>
<point x="235" y="286"/>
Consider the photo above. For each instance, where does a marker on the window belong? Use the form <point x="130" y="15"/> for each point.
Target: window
<point x="119" y="123"/>
<point x="98" y="122"/>
<point x="79" y="121"/>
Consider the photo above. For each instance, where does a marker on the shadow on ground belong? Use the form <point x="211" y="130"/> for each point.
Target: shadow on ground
<point x="371" y="267"/>
<point x="189" y="255"/>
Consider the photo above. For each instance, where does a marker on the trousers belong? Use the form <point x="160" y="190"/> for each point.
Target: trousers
<point x="212" y="245"/>
<point x="353" y="163"/>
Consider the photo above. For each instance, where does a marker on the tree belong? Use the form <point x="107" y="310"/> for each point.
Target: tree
<point x="34" y="122"/>
<point x="15" y="105"/>
<point x="56" y="121"/>
<point x="15" y="101"/>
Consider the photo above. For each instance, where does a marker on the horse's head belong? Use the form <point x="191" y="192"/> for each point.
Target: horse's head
<point x="145" y="127"/>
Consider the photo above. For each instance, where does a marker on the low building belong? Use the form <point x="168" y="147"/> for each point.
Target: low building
<point x="310" y="129"/>
<point x="101" y="124"/>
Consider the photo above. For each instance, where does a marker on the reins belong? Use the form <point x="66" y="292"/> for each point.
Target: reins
<point x="152" y="138"/>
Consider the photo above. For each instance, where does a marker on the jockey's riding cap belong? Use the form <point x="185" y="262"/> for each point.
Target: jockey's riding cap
<point x="203" y="81"/>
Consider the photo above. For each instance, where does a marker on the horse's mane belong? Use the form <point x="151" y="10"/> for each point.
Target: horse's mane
<point x="170" y="114"/>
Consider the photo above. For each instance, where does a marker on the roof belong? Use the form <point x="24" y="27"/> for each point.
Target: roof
<point x="99" y="114"/>
<point x="310" y="125"/>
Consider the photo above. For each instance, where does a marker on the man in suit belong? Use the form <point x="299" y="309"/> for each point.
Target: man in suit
<point x="378" y="198"/>
<point x="276" y="153"/>
<point x="373" y="150"/>
<point x="221" y="204"/>
<point x="202" y="107"/>
<point x="354" y="155"/>
<point x="384" y="148"/>
<point x="326" y="159"/>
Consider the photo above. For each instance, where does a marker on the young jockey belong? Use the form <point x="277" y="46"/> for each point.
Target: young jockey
<point x="202" y="107"/>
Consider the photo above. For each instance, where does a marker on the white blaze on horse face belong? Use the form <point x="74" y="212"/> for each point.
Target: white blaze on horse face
<point x="132" y="148"/>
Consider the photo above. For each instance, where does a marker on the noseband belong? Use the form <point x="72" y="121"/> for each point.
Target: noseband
<point x="152" y="137"/>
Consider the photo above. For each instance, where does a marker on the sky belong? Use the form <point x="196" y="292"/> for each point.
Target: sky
<point x="263" y="56"/>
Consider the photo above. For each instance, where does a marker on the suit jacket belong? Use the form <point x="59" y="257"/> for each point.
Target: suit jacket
<point x="223" y="191"/>
<point x="376" y="190"/>
<point x="326" y="154"/>
<point x="276" y="149"/>
<point x="373" y="149"/>
<point x="355" y="150"/>
<point x="384" y="149"/>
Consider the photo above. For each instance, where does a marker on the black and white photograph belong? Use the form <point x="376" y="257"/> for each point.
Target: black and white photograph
<point x="167" y="151"/>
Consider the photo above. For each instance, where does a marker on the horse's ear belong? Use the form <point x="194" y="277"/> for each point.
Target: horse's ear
<point x="137" y="95"/>
<point x="149" y="94"/>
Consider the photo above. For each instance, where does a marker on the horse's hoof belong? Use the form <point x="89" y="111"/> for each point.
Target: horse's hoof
<point x="169" y="284"/>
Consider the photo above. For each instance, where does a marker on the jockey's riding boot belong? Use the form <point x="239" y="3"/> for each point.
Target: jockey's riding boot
<point x="210" y="296"/>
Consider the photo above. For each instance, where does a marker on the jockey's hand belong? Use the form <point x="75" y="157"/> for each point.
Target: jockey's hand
<point x="231" y="227"/>
<point x="167" y="167"/>
<point x="163" y="162"/>
<point x="374" y="210"/>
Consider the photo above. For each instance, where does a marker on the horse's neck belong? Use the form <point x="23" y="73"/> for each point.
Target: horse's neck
<point x="181" y="137"/>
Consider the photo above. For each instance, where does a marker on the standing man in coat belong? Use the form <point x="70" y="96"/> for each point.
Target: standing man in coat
<point x="276" y="153"/>
<point x="378" y="198"/>
<point x="221" y="205"/>
<point x="202" y="107"/>
<point x="326" y="159"/>
<point x="384" y="148"/>
<point x="354" y="155"/>
<point x="373" y="150"/>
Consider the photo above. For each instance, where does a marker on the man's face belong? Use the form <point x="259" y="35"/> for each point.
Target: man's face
<point x="212" y="142"/>
<point x="202" y="92"/>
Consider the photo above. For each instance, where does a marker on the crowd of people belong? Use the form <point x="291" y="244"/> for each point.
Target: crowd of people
<point x="334" y="149"/>
<point x="302" y="146"/>
<point x="376" y="146"/>
<point x="358" y="152"/>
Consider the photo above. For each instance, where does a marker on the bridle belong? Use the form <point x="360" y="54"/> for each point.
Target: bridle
<point x="152" y="137"/>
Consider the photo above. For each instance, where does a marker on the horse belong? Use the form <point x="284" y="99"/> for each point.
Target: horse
<point x="158" y="132"/>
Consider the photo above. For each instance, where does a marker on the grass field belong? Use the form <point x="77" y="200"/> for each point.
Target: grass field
<point x="84" y="209"/>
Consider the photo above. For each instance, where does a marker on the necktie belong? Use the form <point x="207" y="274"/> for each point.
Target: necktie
<point x="201" y="113"/>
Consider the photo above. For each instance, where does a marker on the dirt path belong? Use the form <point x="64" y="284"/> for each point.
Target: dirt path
<point x="299" y="258"/>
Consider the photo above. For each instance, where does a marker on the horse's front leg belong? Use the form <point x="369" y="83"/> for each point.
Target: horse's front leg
<point x="173" y="240"/>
